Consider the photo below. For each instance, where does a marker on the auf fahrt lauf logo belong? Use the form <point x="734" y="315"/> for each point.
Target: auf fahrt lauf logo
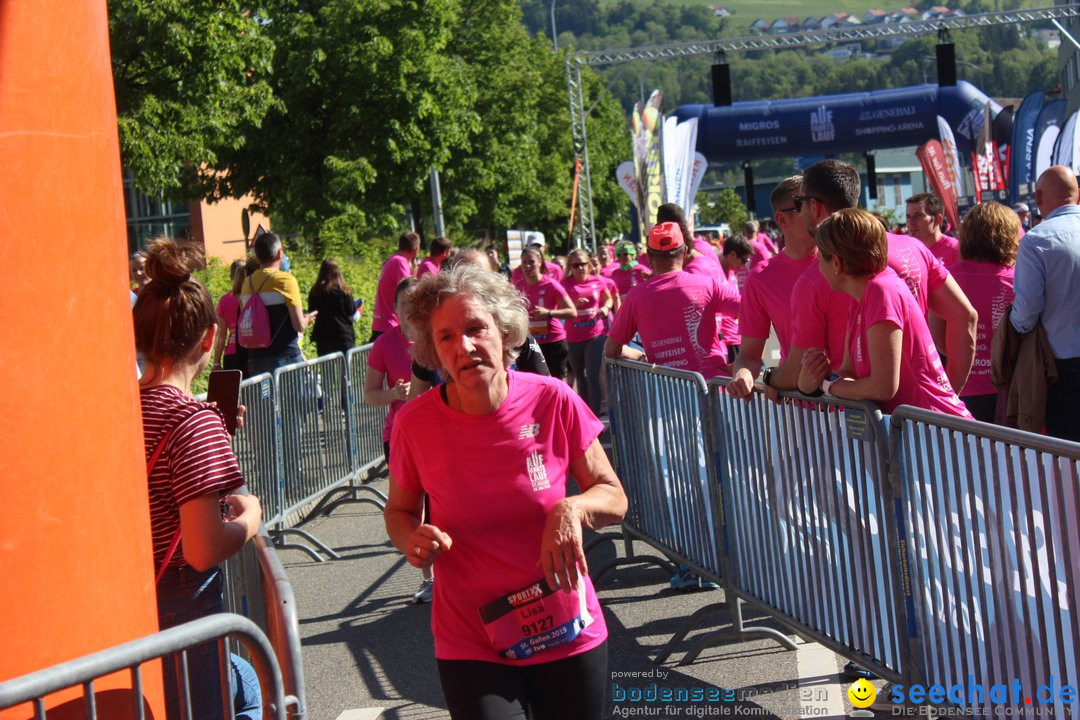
<point x="821" y="125"/>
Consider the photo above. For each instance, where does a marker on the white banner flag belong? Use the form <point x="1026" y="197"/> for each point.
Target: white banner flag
<point x="624" y="174"/>
<point x="679" y="141"/>
<point x="952" y="156"/>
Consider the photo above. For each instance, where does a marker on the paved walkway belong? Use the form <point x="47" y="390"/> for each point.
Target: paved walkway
<point x="365" y="645"/>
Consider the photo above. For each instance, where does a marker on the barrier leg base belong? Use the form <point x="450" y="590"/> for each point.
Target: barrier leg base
<point x="278" y="541"/>
<point x="740" y="630"/>
<point x="341" y="496"/>
<point x="636" y="560"/>
<point x="669" y="647"/>
<point x="603" y="537"/>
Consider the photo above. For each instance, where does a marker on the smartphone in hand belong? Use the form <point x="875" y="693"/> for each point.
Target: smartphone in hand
<point x="224" y="389"/>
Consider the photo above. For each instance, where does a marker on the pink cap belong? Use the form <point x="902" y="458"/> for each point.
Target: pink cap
<point x="666" y="236"/>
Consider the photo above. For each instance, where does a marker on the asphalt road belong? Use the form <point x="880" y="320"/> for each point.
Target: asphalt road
<point x="365" y="645"/>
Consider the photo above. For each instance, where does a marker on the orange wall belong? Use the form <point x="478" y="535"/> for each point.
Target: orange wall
<point x="76" y="571"/>
<point x="219" y="228"/>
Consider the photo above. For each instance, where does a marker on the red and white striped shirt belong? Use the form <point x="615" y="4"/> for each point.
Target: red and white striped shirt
<point x="196" y="460"/>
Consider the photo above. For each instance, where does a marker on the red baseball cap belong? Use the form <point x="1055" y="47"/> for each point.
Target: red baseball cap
<point x="666" y="236"/>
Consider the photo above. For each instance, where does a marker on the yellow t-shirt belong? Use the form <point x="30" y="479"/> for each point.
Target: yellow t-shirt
<point x="277" y="287"/>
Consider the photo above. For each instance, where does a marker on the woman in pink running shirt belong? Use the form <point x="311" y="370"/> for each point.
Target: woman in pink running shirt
<point x="549" y="305"/>
<point x="584" y="333"/>
<point x="890" y="355"/>
<point x="515" y="617"/>
<point x="989" y="240"/>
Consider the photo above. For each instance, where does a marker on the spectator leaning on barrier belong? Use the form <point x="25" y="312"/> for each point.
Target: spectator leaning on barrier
<point x="925" y="213"/>
<point x="820" y="314"/>
<point x="438" y="251"/>
<point x="674" y="311"/>
<point x="196" y="520"/>
<point x="1047" y="285"/>
<point x="989" y="237"/>
<point x="890" y="356"/>
<point x="281" y="295"/>
<point x="396" y="268"/>
<point x="767" y="296"/>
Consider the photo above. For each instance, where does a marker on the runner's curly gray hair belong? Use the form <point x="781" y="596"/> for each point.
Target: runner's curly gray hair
<point x="507" y="306"/>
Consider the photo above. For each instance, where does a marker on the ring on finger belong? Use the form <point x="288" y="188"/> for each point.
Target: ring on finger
<point x="417" y="550"/>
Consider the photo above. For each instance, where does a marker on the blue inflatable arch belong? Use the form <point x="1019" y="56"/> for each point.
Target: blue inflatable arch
<point x="832" y="124"/>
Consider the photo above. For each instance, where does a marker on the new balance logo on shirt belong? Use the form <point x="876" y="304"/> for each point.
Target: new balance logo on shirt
<point x="529" y="431"/>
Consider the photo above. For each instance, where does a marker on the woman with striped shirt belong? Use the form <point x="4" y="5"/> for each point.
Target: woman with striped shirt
<point x="197" y="521"/>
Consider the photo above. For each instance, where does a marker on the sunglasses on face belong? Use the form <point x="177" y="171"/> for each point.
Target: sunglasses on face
<point x="579" y="265"/>
<point x="798" y="200"/>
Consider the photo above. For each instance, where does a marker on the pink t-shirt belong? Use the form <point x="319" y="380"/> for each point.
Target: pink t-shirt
<point x="916" y="266"/>
<point x="546" y="294"/>
<point x="390" y="356"/>
<point x="764" y="248"/>
<point x="729" y="322"/>
<point x="427" y="267"/>
<point x="675" y="314"/>
<point x="627" y="280"/>
<point x="587" y="297"/>
<point x="395" y="270"/>
<point x="819" y="315"/>
<point x="923" y="382"/>
<point x="947" y="250"/>
<point x="608" y="269"/>
<point x="707" y="263"/>
<point x="766" y="298"/>
<point x="228" y="309"/>
<point x="491" y="481"/>
<point x="613" y="290"/>
<point x="989" y="287"/>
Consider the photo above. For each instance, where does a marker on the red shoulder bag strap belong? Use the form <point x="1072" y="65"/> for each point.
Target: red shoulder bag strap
<point x="149" y="469"/>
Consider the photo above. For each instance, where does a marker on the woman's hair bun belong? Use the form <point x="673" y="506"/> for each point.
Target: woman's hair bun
<point x="172" y="261"/>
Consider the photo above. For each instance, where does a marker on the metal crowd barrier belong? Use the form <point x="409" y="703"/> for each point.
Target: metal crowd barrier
<point x="256" y="446"/>
<point x="659" y="445"/>
<point x="365" y="421"/>
<point x="809" y="527"/>
<point x="993" y="559"/>
<point x="311" y="403"/>
<point x="257" y="587"/>
<point x="663" y="454"/>
<point x="37" y="686"/>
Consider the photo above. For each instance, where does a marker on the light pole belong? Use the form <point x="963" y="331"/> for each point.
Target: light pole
<point x="554" y="37"/>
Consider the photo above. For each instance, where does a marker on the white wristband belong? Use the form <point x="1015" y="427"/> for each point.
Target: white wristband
<point x="827" y="383"/>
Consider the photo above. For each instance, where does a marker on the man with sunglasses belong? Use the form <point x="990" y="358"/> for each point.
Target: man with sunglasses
<point x="820" y="314"/>
<point x="767" y="295"/>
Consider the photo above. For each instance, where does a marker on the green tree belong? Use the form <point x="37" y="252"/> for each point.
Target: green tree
<point x="371" y="101"/>
<point x="723" y="207"/>
<point x="190" y="77"/>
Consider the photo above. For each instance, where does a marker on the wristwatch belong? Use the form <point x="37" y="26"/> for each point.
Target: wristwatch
<point x="767" y="376"/>
<point x="826" y="384"/>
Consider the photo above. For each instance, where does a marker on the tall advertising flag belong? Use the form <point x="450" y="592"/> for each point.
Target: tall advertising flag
<point x="1047" y="128"/>
<point x="1022" y="160"/>
<point x="952" y="157"/>
<point x="936" y="167"/>
<point x="1068" y="145"/>
<point x="680" y="138"/>
<point x="987" y="165"/>
<point x="648" y="158"/>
